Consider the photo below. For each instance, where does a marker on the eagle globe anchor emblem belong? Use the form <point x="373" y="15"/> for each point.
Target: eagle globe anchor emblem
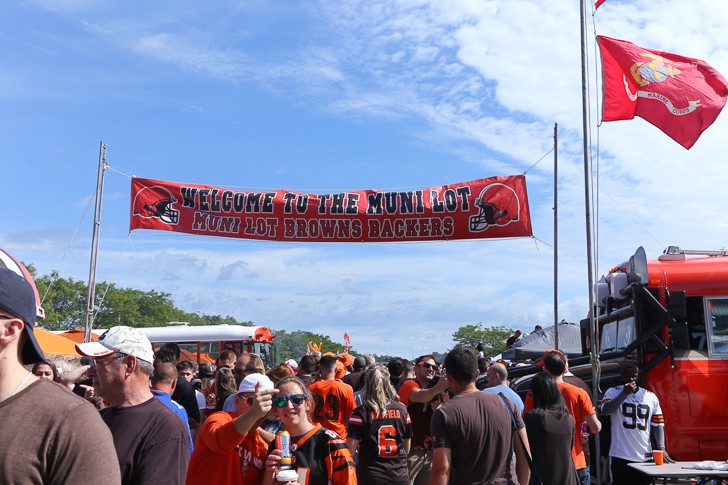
<point x="653" y="72"/>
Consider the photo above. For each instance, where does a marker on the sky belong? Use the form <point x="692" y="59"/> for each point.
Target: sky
<point x="324" y="96"/>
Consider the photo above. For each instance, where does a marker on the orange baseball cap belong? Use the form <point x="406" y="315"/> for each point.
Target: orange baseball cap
<point x="346" y="359"/>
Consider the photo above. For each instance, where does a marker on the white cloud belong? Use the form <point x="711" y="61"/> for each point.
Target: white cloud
<point x="482" y="81"/>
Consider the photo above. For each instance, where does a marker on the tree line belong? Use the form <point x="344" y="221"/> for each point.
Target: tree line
<point x="64" y="301"/>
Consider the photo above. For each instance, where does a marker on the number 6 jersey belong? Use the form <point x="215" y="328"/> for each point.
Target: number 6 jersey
<point x="631" y="424"/>
<point x="382" y="458"/>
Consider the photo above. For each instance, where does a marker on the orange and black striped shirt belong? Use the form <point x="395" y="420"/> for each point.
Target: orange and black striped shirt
<point x="321" y="457"/>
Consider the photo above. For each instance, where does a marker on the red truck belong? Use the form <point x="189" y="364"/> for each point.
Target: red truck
<point x="670" y="315"/>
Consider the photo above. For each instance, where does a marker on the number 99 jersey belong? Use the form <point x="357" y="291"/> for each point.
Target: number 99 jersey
<point x="631" y="424"/>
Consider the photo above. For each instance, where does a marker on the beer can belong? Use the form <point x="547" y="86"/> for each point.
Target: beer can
<point x="283" y="443"/>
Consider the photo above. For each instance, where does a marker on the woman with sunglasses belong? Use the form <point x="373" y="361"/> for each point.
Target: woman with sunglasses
<point x="319" y="455"/>
<point x="380" y="430"/>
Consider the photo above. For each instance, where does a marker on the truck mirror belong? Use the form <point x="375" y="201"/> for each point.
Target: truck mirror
<point x="602" y="293"/>
<point x="638" y="267"/>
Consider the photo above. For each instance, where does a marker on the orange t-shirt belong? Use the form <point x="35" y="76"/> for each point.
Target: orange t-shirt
<point x="333" y="403"/>
<point x="580" y="406"/>
<point x="222" y="455"/>
<point x="406" y="390"/>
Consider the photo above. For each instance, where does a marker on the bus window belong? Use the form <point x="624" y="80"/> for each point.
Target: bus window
<point x="236" y="347"/>
<point x="191" y="348"/>
<point x="695" y="321"/>
<point x="210" y="348"/>
<point x="264" y="350"/>
<point x="717" y="328"/>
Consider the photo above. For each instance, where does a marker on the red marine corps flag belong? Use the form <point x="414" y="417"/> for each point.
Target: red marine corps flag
<point x="485" y="208"/>
<point x="598" y="3"/>
<point x="680" y="95"/>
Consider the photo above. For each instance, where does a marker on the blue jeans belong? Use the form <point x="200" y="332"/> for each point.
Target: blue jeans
<point x="584" y="478"/>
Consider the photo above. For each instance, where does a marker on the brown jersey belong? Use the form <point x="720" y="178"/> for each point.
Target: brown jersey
<point x="382" y="458"/>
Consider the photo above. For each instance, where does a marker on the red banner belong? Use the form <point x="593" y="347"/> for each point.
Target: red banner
<point x="680" y="95"/>
<point x="486" y="208"/>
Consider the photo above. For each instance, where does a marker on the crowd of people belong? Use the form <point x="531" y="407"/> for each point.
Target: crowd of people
<point x="142" y="416"/>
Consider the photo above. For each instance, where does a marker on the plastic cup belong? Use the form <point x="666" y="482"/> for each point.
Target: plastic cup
<point x="286" y="476"/>
<point x="659" y="456"/>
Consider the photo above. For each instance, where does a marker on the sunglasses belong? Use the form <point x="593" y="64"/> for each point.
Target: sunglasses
<point x="296" y="400"/>
<point x="427" y="365"/>
<point x="248" y="400"/>
<point x="97" y="362"/>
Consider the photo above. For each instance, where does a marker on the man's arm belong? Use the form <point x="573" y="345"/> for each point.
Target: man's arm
<point x="594" y="424"/>
<point x="427" y="395"/>
<point x="523" y="471"/>
<point x="407" y="442"/>
<point x="441" y="466"/>
<point x="267" y="436"/>
<point x="70" y="378"/>
<point x="657" y="432"/>
<point x="611" y="406"/>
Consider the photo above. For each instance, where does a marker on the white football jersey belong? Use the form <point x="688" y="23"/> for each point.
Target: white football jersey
<point x="631" y="424"/>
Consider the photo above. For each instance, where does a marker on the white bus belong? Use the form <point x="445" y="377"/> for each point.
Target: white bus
<point x="213" y="339"/>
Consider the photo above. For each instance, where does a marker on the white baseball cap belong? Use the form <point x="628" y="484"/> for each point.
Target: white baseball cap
<point x="252" y="380"/>
<point x="125" y="340"/>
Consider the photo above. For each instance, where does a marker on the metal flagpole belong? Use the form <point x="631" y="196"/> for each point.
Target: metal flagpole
<point x="587" y="212"/>
<point x="91" y="296"/>
<point x="556" y="235"/>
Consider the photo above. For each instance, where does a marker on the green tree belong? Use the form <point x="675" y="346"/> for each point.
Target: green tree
<point x="493" y="337"/>
<point x="292" y="345"/>
<point x="64" y="301"/>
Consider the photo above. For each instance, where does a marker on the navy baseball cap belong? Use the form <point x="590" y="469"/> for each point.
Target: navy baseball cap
<point x="18" y="298"/>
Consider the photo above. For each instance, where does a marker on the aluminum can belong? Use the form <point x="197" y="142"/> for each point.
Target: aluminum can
<point x="283" y="443"/>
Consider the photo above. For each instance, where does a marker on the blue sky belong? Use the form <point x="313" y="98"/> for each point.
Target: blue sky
<point x="323" y="96"/>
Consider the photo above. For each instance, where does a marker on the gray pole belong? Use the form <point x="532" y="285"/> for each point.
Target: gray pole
<point x="587" y="212"/>
<point x="556" y="235"/>
<point x="91" y="296"/>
